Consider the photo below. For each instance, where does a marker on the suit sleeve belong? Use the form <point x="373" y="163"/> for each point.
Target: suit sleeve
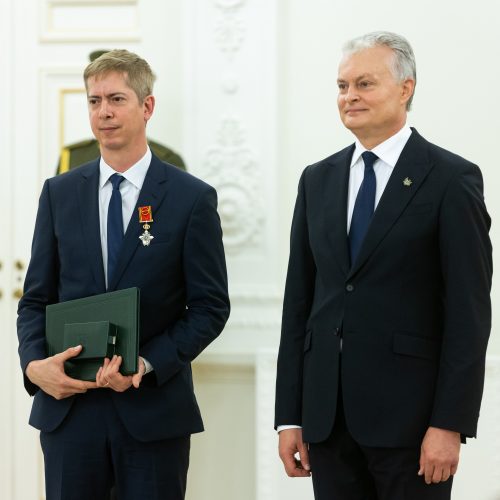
<point x="466" y="262"/>
<point x="40" y="288"/>
<point x="207" y="300"/>
<point x="298" y="298"/>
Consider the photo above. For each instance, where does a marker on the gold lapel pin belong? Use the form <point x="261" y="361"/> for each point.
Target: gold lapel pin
<point x="407" y="182"/>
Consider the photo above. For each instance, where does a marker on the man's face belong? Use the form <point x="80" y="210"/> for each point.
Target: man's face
<point x="117" y="118"/>
<point x="372" y="103"/>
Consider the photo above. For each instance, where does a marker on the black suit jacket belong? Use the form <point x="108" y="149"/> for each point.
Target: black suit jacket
<point x="413" y="310"/>
<point x="182" y="277"/>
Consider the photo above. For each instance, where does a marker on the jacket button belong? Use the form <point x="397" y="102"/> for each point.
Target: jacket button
<point x="349" y="287"/>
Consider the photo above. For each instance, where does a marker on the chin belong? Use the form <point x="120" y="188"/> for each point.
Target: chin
<point x="110" y="144"/>
<point x="353" y="125"/>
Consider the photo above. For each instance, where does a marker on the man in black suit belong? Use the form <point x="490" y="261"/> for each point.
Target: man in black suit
<point x="387" y="311"/>
<point x="130" y="433"/>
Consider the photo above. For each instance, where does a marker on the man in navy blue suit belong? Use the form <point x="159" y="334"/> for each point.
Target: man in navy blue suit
<point x="387" y="310"/>
<point x="127" y="433"/>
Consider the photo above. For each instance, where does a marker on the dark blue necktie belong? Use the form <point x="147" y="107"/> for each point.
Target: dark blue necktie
<point x="364" y="206"/>
<point x="115" y="224"/>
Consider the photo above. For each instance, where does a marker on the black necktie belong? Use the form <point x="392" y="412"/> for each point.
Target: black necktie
<point x="364" y="206"/>
<point x="115" y="224"/>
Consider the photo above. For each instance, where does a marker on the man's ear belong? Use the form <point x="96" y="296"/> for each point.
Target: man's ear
<point x="149" y="106"/>
<point x="407" y="89"/>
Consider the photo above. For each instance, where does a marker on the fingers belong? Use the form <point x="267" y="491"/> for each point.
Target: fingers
<point x="69" y="353"/>
<point x="439" y="455"/>
<point x="109" y="375"/>
<point x="304" y="455"/>
<point x="65" y="387"/>
<point x="99" y="377"/>
<point x="445" y="475"/>
<point x="49" y="375"/>
<point x="290" y="443"/>
<point x="434" y="474"/>
<point x="137" y="378"/>
<point x="89" y="385"/>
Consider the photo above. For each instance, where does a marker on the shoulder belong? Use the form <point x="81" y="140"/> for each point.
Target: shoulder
<point x="333" y="168"/>
<point x="180" y="180"/>
<point x="445" y="160"/>
<point x="335" y="161"/>
<point x="441" y="156"/>
<point x="73" y="176"/>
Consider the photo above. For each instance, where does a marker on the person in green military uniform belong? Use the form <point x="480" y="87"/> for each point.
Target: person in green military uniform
<point x="73" y="155"/>
<point x="87" y="150"/>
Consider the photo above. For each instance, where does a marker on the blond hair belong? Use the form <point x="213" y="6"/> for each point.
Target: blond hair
<point x="138" y="74"/>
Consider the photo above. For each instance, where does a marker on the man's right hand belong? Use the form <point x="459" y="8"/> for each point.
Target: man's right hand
<point x="49" y="375"/>
<point x="290" y="443"/>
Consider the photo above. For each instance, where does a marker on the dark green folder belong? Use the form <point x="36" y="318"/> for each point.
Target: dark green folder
<point x="104" y="325"/>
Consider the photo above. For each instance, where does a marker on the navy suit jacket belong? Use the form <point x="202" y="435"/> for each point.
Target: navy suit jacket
<point x="181" y="275"/>
<point x="413" y="311"/>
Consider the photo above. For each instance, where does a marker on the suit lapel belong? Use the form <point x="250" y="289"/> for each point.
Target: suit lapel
<point x="335" y="190"/>
<point x="413" y="166"/>
<point x="88" y="202"/>
<point x="152" y="193"/>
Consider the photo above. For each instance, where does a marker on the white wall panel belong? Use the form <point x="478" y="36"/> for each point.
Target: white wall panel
<point x="89" y="20"/>
<point x="63" y="113"/>
<point x="230" y="128"/>
<point x="7" y="359"/>
<point x="223" y="461"/>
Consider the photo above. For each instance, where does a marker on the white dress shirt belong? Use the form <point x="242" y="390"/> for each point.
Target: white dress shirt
<point x="388" y="153"/>
<point x="130" y="188"/>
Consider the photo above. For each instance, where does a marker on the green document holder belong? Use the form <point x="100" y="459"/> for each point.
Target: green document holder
<point x="104" y="325"/>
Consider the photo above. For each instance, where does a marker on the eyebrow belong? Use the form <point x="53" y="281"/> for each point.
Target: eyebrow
<point x="114" y="94"/>
<point x="360" y="77"/>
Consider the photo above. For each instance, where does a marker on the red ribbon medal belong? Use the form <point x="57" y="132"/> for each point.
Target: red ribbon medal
<point x="146" y="216"/>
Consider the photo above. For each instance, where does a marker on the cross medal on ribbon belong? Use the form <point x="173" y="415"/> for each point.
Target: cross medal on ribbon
<point x="145" y="216"/>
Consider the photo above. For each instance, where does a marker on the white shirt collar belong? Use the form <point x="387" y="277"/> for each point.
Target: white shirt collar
<point x="388" y="151"/>
<point x="135" y="174"/>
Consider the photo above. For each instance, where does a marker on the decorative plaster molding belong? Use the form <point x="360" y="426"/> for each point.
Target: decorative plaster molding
<point x="230" y="84"/>
<point x="229" y="4"/>
<point x="230" y="34"/>
<point x="229" y="44"/>
<point x="230" y="166"/>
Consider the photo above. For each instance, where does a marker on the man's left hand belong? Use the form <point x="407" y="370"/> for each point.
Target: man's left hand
<point x="439" y="455"/>
<point x="109" y="376"/>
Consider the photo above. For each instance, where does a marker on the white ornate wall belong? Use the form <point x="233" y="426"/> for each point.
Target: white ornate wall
<point x="246" y="92"/>
<point x="230" y="136"/>
<point x="230" y="140"/>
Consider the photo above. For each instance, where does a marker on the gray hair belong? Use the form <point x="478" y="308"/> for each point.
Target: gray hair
<point x="404" y="66"/>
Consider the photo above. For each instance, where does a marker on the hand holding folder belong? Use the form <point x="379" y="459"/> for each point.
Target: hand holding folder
<point x="103" y="325"/>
